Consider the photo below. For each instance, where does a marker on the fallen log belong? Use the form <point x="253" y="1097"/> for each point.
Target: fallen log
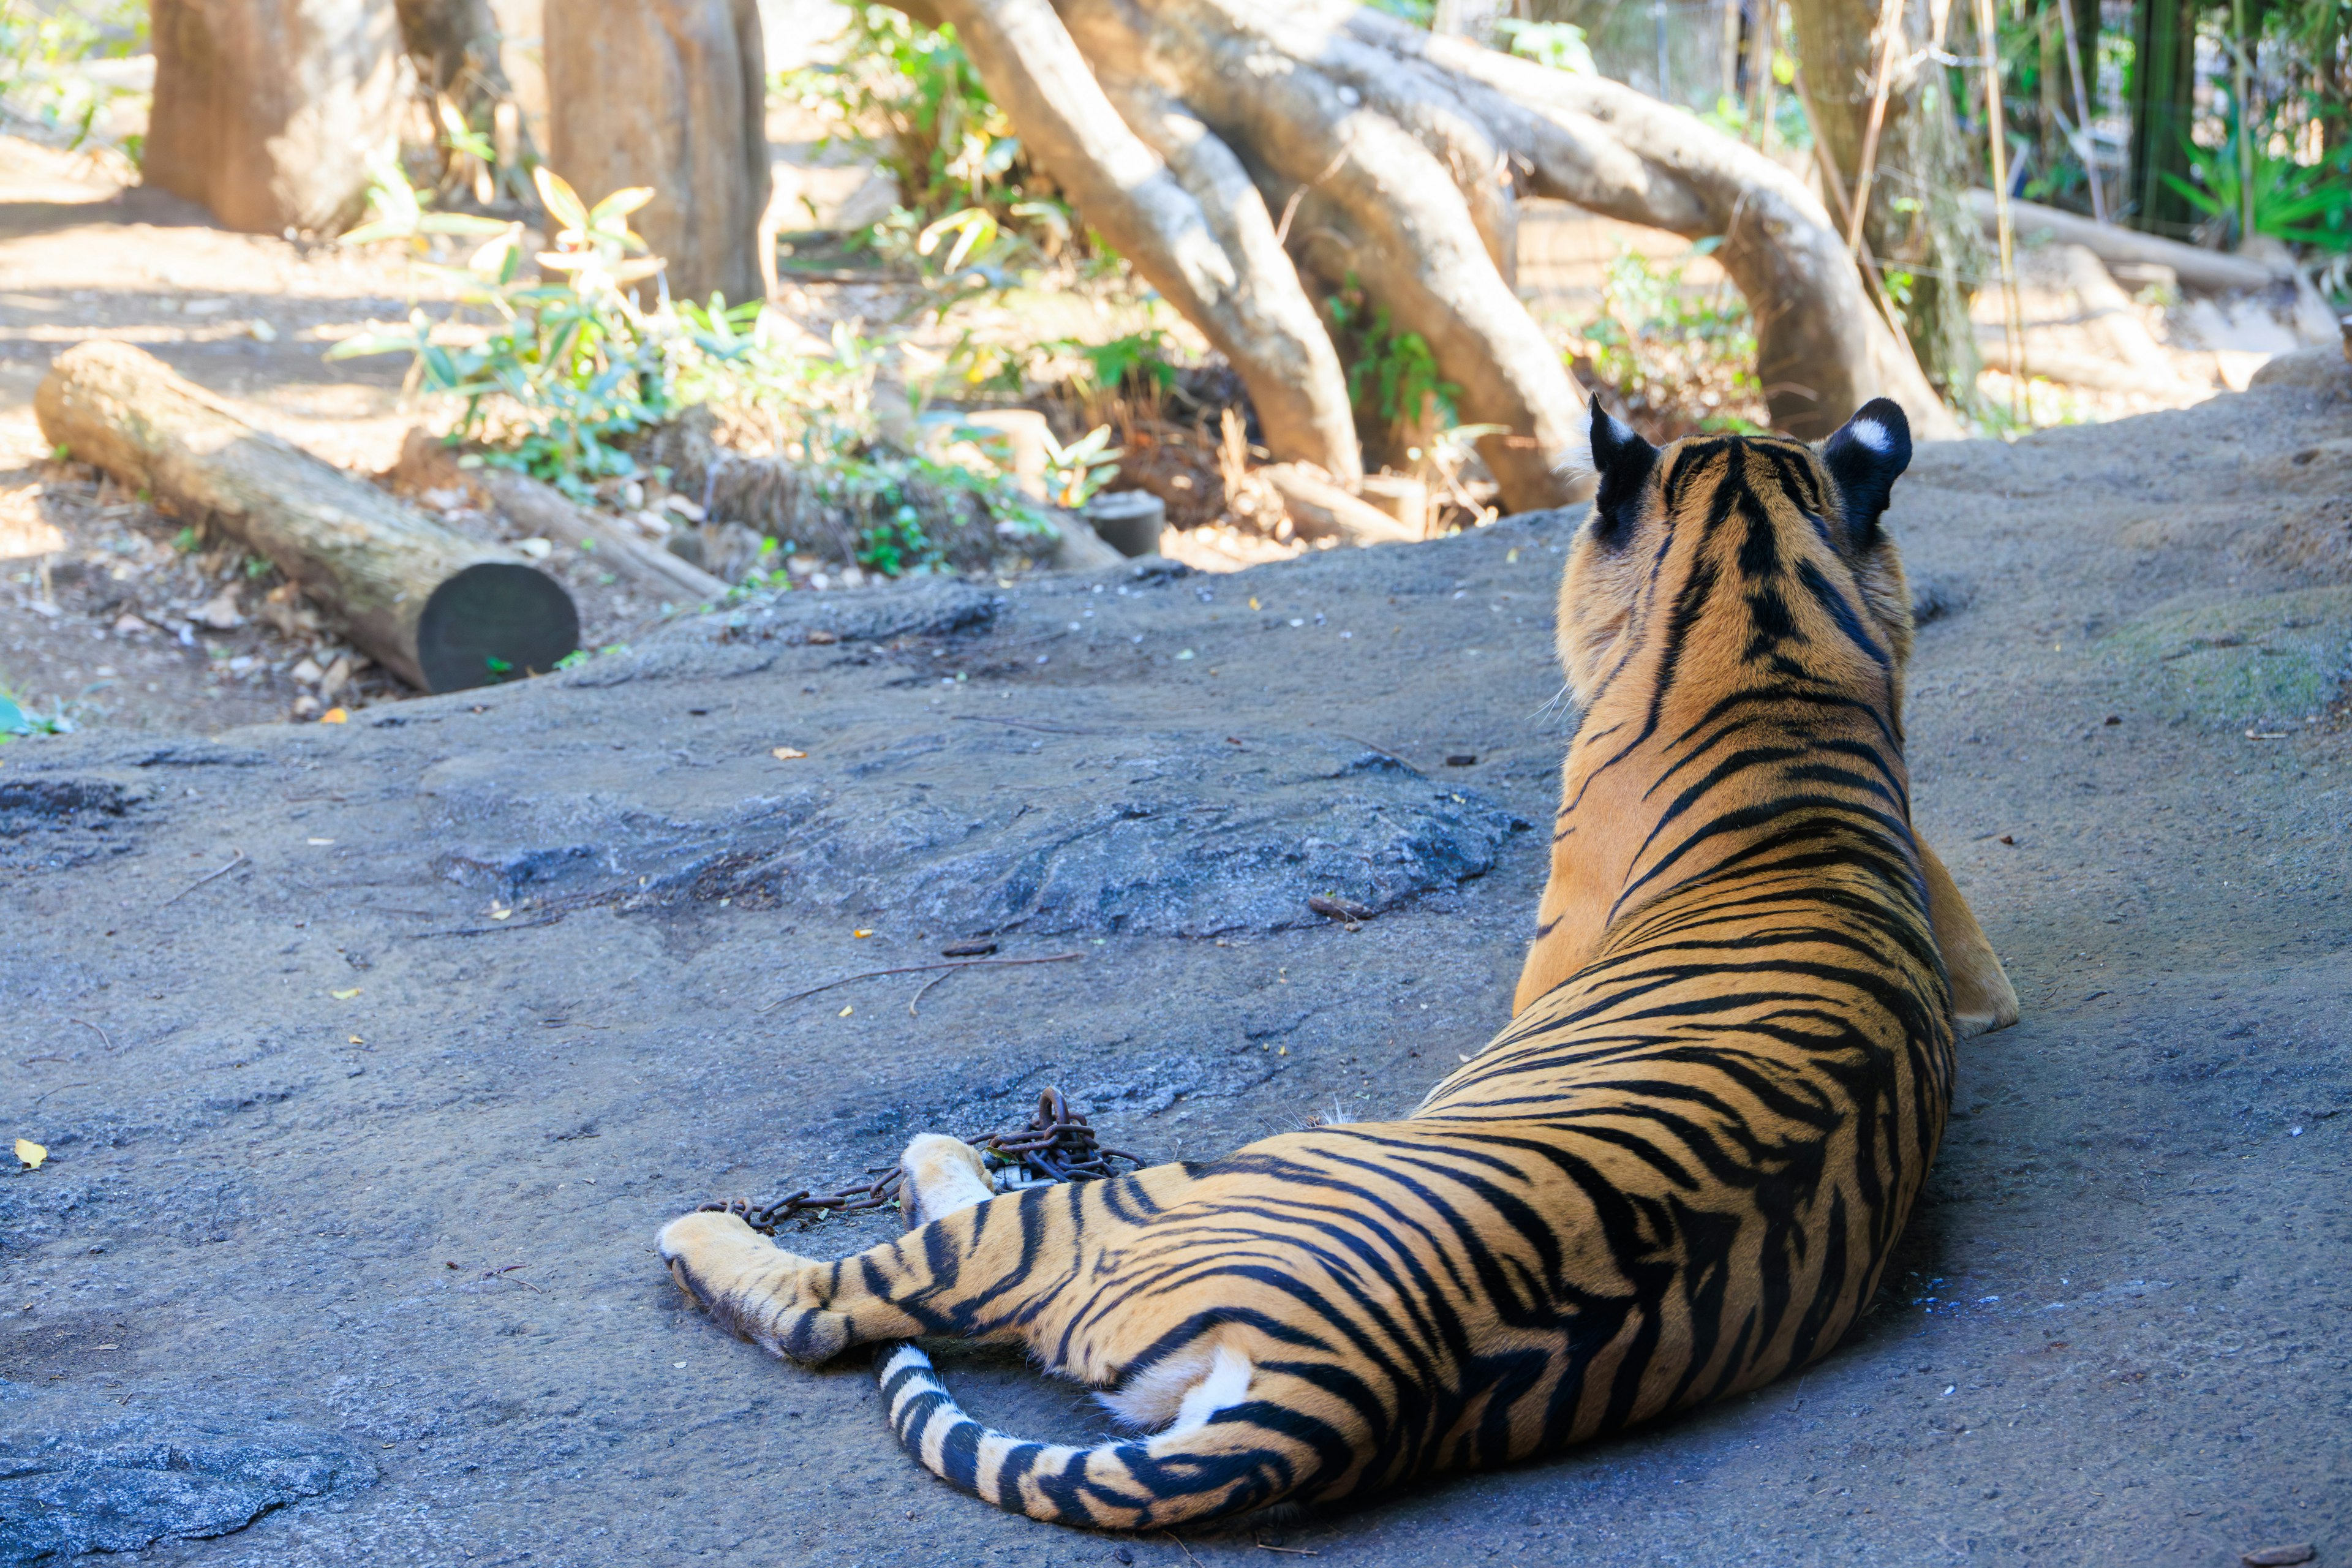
<point x="441" y="611"/>
<point x="2070" y="369"/>
<point x="1318" y="509"/>
<point x="2208" y="271"/>
<point x="427" y="465"/>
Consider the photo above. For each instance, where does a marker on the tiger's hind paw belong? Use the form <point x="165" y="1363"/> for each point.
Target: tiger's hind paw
<point x="943" y="1175"/>
<point x="752" y="1287"/>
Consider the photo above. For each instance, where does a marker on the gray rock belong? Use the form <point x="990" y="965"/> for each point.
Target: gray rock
<point x="80" y="1473"/>
<point x="977" y="828"/>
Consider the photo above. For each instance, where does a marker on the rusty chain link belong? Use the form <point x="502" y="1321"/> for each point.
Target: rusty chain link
<point x="1057" y="1146"/>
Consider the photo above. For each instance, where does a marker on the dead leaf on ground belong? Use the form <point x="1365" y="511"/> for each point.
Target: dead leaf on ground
<point x="32" y="1153"/>
<point x="344" y="995"/>
<point x="787" y="754"/>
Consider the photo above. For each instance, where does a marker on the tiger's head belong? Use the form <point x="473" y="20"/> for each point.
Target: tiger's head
<point x="1794" y="532"/>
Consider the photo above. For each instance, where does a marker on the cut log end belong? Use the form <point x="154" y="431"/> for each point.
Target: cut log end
<point x="492" y="622"/>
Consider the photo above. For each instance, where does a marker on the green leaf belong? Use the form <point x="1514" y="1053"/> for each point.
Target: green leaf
<point x="459" y="223"/>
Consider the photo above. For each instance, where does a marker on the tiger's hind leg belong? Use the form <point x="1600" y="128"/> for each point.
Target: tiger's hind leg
<point x="778" y="1300"/>
<point x="1982" y="998"/>
<point x="786" y="1303"/>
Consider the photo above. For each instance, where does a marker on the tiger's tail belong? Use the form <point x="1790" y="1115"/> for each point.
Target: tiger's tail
<point x="1211" y="1462"/>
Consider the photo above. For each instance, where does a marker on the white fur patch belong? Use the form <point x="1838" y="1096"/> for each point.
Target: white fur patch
<point x="944" y="1175"/>
<point x="1871" y="434"/>
<point x="1227" y="1384"/>
<point x="1576" y="459"/>
<point x="1150" y="1398"/>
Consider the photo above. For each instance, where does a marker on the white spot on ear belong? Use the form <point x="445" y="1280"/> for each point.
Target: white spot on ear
<point x="1871" y="434"/>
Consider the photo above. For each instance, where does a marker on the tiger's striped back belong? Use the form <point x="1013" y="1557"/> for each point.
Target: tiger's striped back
<point x="1676" y="1174"/>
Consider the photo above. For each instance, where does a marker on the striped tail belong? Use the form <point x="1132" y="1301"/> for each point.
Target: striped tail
<point x="1210" y="1464"/>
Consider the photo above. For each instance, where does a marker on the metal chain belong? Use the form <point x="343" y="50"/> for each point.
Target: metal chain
<point x="1057" y="1146"/>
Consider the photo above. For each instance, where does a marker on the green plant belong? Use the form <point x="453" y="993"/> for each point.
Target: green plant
<point x="1683" y="354"/>
<point x="570" y="362"/>
<point x="1392" y="376"/>
<point x="15" y="719"/>
<point x="2298" y="203"/>
<point x="1075" y="473"/>
<point x="1560" y="45"/>
<point x="908" y="98"/>
<point x="45" y="87"/>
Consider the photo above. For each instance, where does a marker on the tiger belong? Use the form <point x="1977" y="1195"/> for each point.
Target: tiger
<point x="1676" y="1174"/>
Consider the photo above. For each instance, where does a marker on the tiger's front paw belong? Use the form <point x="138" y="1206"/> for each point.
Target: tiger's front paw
<point x="754" y="1287"/>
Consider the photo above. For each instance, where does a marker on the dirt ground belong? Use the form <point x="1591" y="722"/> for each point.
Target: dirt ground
<point x="370" y="1057"/>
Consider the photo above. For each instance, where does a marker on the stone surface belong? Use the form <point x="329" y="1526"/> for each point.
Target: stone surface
<point x="80" y="1473"/>
<point x="331" y="1073"/>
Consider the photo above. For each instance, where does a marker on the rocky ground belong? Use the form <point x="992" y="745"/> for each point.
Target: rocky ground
<point x="368" y="1058"/>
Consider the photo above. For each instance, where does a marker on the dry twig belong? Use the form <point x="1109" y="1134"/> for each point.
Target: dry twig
<point x="917" y="969"/>
<point x="209" y="876"/>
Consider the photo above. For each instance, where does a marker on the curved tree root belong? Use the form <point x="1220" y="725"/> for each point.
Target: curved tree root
<point x="1395" y="160"/>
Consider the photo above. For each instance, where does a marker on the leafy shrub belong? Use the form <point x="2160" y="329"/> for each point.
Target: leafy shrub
<point x="2297" y="202"/>
<point x="1666" y="349"/>
<point x="572" y="364"/>
<point x="42" y="90"/>
<point x="908" y="98"/>
<point x="1393" y="380"/>
<point x="577" y="382"/>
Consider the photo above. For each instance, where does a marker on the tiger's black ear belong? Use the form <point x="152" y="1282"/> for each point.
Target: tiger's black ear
<point x="1624" y="461"/>
<point x="1865" y="458"/>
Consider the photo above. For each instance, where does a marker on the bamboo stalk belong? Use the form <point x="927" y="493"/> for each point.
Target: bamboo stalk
<point x="2239" y="89"/>
<point x="1888" y="35"/>
<point x="2082" y="110"/>
<point x="1833" y="182"/>
<point x="1997" y="128"/>
<point x="1760" y="71"/>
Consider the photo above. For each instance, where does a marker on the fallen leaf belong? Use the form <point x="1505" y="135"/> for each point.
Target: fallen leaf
<point x="844" y="1013"/>
<point x="344" y="995"/>
<point x="787" y="754"/>
<point x="334" y="716"/>
<point x="357" y="1041"/>
<point x="497" y="914"/>
<point x="1252" y="603"/>
<point x="861" y="933"/>
<point x="32" y="1153"/>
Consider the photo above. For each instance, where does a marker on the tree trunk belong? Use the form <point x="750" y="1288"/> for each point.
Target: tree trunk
<point x="450" y="39"/>
<point x="1917" y="224"/>
<point x="1395" y="158"/>
<point x="671" y="94"/>
<point x="270" y="112"/>
<point x="435" y="608"/>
